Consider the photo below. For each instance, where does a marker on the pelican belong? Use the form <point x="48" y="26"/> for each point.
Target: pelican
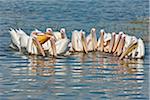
<point x="135" y="48"/>
<point x="21" y="40"/>
<point x="117" y="40"/>
<point x="78" y="42"/>
<point x="120" y="46"/>
<point x="101" y="41"/>
<point x="61" y="41"/>
<point x="91" y="40"/>
<point x="133" y="45"/>
<point x="104" y="41"/>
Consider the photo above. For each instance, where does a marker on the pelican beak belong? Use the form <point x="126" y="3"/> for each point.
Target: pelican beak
<point x="62" y="35"/>
<point x="94" y="41"/>
<point x="39" y="46"/>
<point x="102" y="40"/>
<point x="53" y="47"/>
<point x="117" y="42"/>
<point x="121" y="45"/>
<point x="130" y="48"/>
<point x="84" y="43"/>
<point x="112" y="41"/>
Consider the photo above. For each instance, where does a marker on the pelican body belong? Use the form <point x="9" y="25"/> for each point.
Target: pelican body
<point x="92" y="40"/>
<point x="78" y="42"/>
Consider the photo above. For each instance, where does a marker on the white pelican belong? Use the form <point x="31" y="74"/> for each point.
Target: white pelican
<point x="112" y="42"/>
<point x="21" y="40"/>
<point x="92" y="40"/>
<point x="120" y="46"/>
<point x="133" y="45"/>
<point x="78" y="42"/>
<point x="104" y="41"/>
<point x="100" y="44"/>
<point x="117" y="40"/>
<point x="61" y="41"/>
<point x="135" y="48"/>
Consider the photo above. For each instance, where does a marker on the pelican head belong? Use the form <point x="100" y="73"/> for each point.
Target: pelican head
<point x="93" y="30"/>
<point x="102" y="31"/>
<point x="49" y="31"/>
<point x="121" y="33"/>
<point x="134" y="39"/>
<point x="63" y="33"/>
<point x="34" y="34"/>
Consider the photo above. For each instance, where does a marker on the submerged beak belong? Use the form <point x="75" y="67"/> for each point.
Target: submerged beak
<point x="84" y="43"/>
<point x="112" y="41"/>
<point x="53" y="47"/>
<point x="117" y="42"/>
<point x="39" y="46"/>
<point x="131" y="47"/>
<point x="121" y="45"/>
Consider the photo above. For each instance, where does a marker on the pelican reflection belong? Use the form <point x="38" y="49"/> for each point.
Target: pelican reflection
<point x="42" y="67"/>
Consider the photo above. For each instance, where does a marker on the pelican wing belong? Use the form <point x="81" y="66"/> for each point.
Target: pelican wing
<point x="23" y="38"/>
<point x="62" y="46"/>
<point x="140" y="49"/>
<point x="15" y="38"/>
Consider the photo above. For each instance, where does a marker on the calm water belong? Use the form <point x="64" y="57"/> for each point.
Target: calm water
<point x="94" y="76"/>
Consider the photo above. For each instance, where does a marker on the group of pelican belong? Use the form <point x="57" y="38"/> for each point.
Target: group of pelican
<point x="39" y="42"/>
<point x="55" y="43"/>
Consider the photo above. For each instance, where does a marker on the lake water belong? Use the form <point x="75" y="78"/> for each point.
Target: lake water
<point x="93" y="76"/>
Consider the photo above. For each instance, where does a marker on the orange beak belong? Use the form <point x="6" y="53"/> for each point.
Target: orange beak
<point x="117" y="43"/>
<point x="121" y="45"/>
<point x="39" y="46"/>
<point x="84" y="43"/>
<point x="130" y="48"/>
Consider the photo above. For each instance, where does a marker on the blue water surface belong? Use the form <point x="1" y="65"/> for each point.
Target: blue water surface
<point x="93" y="76"/>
